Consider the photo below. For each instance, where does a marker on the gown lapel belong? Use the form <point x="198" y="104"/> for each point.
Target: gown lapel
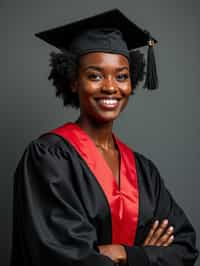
<point x="123" y="202"/>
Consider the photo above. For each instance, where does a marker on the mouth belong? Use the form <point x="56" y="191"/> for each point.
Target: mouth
<point x="108" y="103"/>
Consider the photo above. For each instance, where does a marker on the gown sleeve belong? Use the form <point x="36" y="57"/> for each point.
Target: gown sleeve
<point x="182" y="252"/>
<point x="50" y="225"/>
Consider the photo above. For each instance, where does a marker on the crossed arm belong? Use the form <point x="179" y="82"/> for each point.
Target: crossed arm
<point x="160" y="234"/>
<point x="48" y="212"/>
<point x="163" y="245"/>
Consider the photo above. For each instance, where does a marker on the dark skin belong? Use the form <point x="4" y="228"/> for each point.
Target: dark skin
<point x="100" y="75"/>
<point x="103" y="85"/>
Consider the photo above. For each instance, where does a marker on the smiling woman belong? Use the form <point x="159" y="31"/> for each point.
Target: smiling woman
<point x="103" y="86"/>
<point x="65" y="67"/>
<point x="82" y="196"/>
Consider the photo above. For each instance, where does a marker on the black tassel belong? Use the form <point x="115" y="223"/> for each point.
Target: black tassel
<point x="151" y="82"/>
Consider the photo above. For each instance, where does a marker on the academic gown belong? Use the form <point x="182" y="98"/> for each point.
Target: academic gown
<point x="67" y="202"/>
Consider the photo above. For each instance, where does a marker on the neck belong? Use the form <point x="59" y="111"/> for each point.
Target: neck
<point x="100" y="133"/>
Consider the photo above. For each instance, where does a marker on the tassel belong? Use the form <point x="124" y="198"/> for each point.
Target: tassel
<point x="151" y="82"/>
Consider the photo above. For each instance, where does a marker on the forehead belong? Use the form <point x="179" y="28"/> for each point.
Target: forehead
<point x="103" y="59"/>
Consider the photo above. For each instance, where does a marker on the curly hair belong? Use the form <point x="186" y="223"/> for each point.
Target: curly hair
<point x="64" y="69"/>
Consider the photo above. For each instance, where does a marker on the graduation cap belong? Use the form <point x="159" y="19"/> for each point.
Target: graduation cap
<point x="109" y="31"/>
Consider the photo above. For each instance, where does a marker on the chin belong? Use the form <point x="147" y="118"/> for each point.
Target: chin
<point x="105" y="118"/>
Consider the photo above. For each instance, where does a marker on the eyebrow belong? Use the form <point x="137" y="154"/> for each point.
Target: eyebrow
<point x="101" y="68"/>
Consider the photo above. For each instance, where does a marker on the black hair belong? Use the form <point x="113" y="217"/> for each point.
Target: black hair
<point x="64" y="69"/>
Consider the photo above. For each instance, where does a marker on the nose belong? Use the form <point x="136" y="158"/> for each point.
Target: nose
<point x="109" y="86"/>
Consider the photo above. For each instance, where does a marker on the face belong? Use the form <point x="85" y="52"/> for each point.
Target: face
<point x="103" y="85"/>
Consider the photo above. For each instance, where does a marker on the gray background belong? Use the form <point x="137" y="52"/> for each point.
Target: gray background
<point x="163" y="125"/>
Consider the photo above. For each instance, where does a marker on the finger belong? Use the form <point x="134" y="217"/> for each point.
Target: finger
<point x="151" y="232"/>
<point x="169" y="241"/>
<point x="158" y="232"/>
<point x="165" y="237"/>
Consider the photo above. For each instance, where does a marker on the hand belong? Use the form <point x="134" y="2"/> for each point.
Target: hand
<point x="117" y="253"/>
<point x="160" y="235"/>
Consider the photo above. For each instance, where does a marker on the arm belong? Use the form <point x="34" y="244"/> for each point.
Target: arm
<point x="182" y="251"/>
<point x="159" y="235"/>
<point x="50" y="223"/>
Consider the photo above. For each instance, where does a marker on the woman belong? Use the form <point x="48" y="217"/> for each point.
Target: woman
<point x="81" y="196"/>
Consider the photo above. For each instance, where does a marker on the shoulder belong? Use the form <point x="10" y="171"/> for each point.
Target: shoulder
<point x="44" y="158"/>
<point x="144" y="162"/>
<point x="48" y="140"/>
<point x="141" y="159"/>
<point x="47" y="144"/>
<point x="44" y="150"/>
<point x="148" y="174"/>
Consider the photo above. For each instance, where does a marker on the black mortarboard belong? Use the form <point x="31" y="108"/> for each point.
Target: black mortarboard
<point x="110" y="31"/>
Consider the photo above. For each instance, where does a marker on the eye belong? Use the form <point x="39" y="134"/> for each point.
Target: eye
<point x="94" y="76"/>
<point x="123" y="77"/>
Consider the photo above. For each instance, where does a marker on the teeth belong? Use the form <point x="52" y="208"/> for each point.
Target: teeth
<point x="109" y="101"/>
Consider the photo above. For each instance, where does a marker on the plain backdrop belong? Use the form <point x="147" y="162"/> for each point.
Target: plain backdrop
<point x="163" y="125"/>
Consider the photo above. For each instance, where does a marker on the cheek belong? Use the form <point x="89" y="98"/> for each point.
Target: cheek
<point x="125" y="102"/>
<point x="127" y="89"/>
<point x="87" y="88"/>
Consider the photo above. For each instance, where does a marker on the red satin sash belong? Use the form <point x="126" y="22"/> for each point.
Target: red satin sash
<point x="123" y="202"/>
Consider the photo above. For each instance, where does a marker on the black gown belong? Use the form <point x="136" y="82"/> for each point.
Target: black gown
<point x="61" y="212"/>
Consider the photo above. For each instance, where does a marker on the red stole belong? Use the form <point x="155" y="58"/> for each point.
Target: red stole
<point x="123" y="202"/>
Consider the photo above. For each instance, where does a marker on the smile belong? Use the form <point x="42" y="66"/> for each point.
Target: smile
<point x="108" y="103"/>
